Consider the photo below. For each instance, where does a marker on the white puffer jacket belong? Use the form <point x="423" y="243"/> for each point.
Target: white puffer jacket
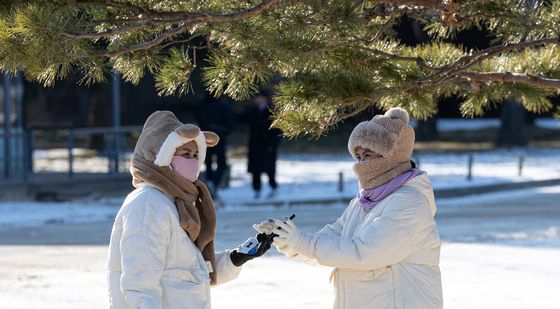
<point x="384" y="258"/>
<point x="152" y="263"/>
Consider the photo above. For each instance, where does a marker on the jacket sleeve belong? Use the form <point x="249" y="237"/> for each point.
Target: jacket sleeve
<point x="335" y="229"/>
<point x="226" y="270"/>
<point x="384" y="241"/>
<point x="146" y="233"/>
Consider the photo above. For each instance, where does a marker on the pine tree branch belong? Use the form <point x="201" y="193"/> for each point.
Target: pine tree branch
<point x="142" y="24"/>
<point x="390" y="9"/>
<point x="185" y="41"/>
<point x="531" y="80"/>
<point x="354" y="113"/>
<point x="117" y="21"/>
<point x="419" y="61"/>
<point x="158" y="18"/>
<point x="467" y="62"/>
<point x="437" y="5"/>
<point x="390" y="23"/>
<point x="125" y="6"/>
<point x="470" y="77"/>
<point x="147" y="45"/>
<point x="425" y="11"/>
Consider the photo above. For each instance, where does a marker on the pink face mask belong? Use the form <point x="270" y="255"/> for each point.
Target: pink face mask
<point x="188" y="168"/>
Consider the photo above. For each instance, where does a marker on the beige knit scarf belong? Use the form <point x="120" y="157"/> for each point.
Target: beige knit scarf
<point x="373" y="173"/>
<point x="194" y="204"/>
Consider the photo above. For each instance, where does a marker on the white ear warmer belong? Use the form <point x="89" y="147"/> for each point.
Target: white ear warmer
<point x="174" y="141"/>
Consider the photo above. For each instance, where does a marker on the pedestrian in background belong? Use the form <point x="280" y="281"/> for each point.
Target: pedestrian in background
<point x="215" y="115"/>
<point x="263" y="142"/>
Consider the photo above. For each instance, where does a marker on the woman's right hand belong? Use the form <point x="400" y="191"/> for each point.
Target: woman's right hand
<point x="238" y="258"/>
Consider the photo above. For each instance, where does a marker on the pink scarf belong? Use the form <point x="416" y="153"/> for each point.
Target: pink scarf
<point x="368" y="198"/>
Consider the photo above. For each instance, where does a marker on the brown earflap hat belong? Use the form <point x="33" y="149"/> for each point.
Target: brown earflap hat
<point x="163" y="133"/>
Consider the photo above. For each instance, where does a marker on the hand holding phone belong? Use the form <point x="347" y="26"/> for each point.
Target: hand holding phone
<point x="272" y="235"/>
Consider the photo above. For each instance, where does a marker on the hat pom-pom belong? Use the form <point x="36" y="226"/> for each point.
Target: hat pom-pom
<point x="398" y="113"/>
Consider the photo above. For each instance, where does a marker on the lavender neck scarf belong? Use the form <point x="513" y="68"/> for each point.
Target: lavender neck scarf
<point x="368" y="198"/>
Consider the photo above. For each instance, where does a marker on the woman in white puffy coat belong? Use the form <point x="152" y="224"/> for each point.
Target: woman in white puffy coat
<point x="385" y="247"/>
<point x="161" y="254"/>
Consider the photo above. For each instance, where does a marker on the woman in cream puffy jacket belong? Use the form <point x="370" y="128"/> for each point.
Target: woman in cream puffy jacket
<point x="161" y="254"/>
<point x="385" y="247"/>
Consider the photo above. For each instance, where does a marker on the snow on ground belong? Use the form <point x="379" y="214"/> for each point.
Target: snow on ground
<point x="303" y="177"/>
<point x="312" y="176"/>
<point x="53" y="277"/>
<point x="473" y="275"/>
<point x="500" y="250"/>
<point x="550" y="123"/>
<point x="454" y="124"/>
<point x="33" y="213"/>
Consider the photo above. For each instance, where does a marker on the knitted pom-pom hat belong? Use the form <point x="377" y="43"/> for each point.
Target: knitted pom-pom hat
<point x="390" y="136"/>
<point x="387" y="134"/>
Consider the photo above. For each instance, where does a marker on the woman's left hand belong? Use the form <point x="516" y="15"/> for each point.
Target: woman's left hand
<point x="288" y="234"/>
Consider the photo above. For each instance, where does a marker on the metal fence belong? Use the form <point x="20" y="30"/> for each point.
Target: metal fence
<point x="30" y="152"/>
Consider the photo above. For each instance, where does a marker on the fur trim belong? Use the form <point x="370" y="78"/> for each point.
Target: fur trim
<point x="168" y="148"/>
<point x="174" y="141"/>
<point x="200" y="141"/>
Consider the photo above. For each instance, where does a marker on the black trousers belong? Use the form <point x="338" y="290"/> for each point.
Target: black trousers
<point x="257" y="180"/>
<point x="216" y="154"/>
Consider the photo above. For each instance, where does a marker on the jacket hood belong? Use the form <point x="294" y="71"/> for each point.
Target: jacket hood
<point x="163" y="133"/>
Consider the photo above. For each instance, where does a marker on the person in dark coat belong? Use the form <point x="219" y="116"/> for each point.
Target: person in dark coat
<point x="263" y="142"/>
<point x="215" y="115"/>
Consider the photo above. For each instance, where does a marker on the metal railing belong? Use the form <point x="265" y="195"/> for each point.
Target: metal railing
<point x="114" y="152"/>
<point x="34" y="140"/>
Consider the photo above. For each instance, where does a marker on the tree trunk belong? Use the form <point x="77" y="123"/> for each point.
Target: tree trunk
<point x="426" y="130"/>
<point x="513" y="131"/>
<point x="98" y="117"/>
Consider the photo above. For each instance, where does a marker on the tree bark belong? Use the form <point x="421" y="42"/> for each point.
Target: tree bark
<point x="426" y="130"/>
<point x="513" y="130"/>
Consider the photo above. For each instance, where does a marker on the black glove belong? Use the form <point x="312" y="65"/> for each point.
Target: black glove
<point x="238" y="258"/>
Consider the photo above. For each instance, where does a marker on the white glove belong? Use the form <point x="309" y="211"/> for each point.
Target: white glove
<point x="288" y="235"/>
<point x="291" y="239"/>
<point x="266" y="226"/>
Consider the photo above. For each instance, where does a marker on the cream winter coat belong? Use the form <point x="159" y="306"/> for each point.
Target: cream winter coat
<point x="383" y="258"/>
<point x="152" y="263"/>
